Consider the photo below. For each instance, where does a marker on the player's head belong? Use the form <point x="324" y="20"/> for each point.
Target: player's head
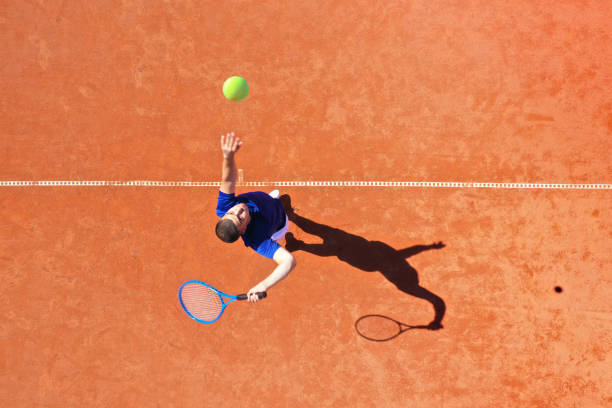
<point x="227" y="231"/>
<point x="234" y="223"/>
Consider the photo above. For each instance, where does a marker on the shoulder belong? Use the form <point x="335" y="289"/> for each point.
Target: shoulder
<point x="225" y="201"/>
<point x="226" y="195"/>
<point x="267" y="248"/>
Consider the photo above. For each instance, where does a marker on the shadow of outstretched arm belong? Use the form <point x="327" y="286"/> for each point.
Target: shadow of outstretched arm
<point x="417" y="249"/>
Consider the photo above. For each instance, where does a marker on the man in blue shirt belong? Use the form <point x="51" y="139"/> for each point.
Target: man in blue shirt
<point x="258" y="218"/>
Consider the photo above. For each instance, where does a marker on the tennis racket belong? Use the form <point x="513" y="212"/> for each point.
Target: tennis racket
<point x="381" y="328"/>
<point x="205" y="304"/>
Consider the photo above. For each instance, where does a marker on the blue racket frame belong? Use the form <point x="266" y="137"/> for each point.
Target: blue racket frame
<point x="221" y="295"/>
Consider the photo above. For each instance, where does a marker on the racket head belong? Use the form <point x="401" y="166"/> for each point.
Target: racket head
<point x="379" y="328"/>
<point x="202" y="302"/>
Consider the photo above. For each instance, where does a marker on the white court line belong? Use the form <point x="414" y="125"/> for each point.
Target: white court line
<point x="241" y="183"/>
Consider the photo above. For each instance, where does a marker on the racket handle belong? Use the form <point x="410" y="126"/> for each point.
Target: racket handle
<point x="244" y="296"/>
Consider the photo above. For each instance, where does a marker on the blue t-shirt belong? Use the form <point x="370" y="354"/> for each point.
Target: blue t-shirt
<point x="267" y="217"/>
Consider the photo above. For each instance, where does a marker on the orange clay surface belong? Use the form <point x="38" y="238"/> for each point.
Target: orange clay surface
<point x="486" y="91"/>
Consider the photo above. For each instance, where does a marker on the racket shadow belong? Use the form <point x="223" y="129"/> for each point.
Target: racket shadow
<point x="368" y="256"/>
<point x="380" y="328"/>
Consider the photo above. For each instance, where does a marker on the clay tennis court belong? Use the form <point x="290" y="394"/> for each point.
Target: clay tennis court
<point x="393" y="126"/>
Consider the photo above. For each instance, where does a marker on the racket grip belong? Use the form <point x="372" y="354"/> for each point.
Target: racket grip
<point x="244" y="296"/>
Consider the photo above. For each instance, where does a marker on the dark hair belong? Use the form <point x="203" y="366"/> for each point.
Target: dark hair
<point x="227" y="231"/>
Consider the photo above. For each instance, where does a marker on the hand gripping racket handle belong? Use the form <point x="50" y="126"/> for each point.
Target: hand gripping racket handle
<point x="244" y="296"/>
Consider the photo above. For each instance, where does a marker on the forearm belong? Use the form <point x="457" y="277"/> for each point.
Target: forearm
<point x="229" y="172"/>
<point x="279" y="273"/>
<point x="229" y="146"/>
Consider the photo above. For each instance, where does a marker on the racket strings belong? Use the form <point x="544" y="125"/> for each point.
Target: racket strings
<point x="202" y="302"/>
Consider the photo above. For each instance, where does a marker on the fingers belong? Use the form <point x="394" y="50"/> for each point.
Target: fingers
<point x="230" y="142"/>
<point x="227" y="140"/>
<point x="253" y="294"/>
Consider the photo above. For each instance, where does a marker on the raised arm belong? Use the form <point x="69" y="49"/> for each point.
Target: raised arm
<point x="229" y="146"/>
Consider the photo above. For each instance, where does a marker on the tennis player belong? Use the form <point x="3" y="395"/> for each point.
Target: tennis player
<point x="257" y="217"/>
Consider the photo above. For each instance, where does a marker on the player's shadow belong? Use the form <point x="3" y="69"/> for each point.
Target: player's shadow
<point x="369" y="256"/>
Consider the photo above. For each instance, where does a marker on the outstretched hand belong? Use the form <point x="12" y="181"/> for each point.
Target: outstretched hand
<point x="230" y="144"/>
<point x="438" y="245"/>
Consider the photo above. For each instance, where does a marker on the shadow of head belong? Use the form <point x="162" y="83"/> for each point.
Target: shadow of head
<point x="285" y="200"/>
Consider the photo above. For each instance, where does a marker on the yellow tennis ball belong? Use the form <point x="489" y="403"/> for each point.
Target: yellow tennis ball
<point x="235" y="88"/>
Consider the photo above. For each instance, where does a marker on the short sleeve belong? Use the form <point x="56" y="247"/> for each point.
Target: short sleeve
<point x="225" y="202"/>
<point x="267" y="248"/>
